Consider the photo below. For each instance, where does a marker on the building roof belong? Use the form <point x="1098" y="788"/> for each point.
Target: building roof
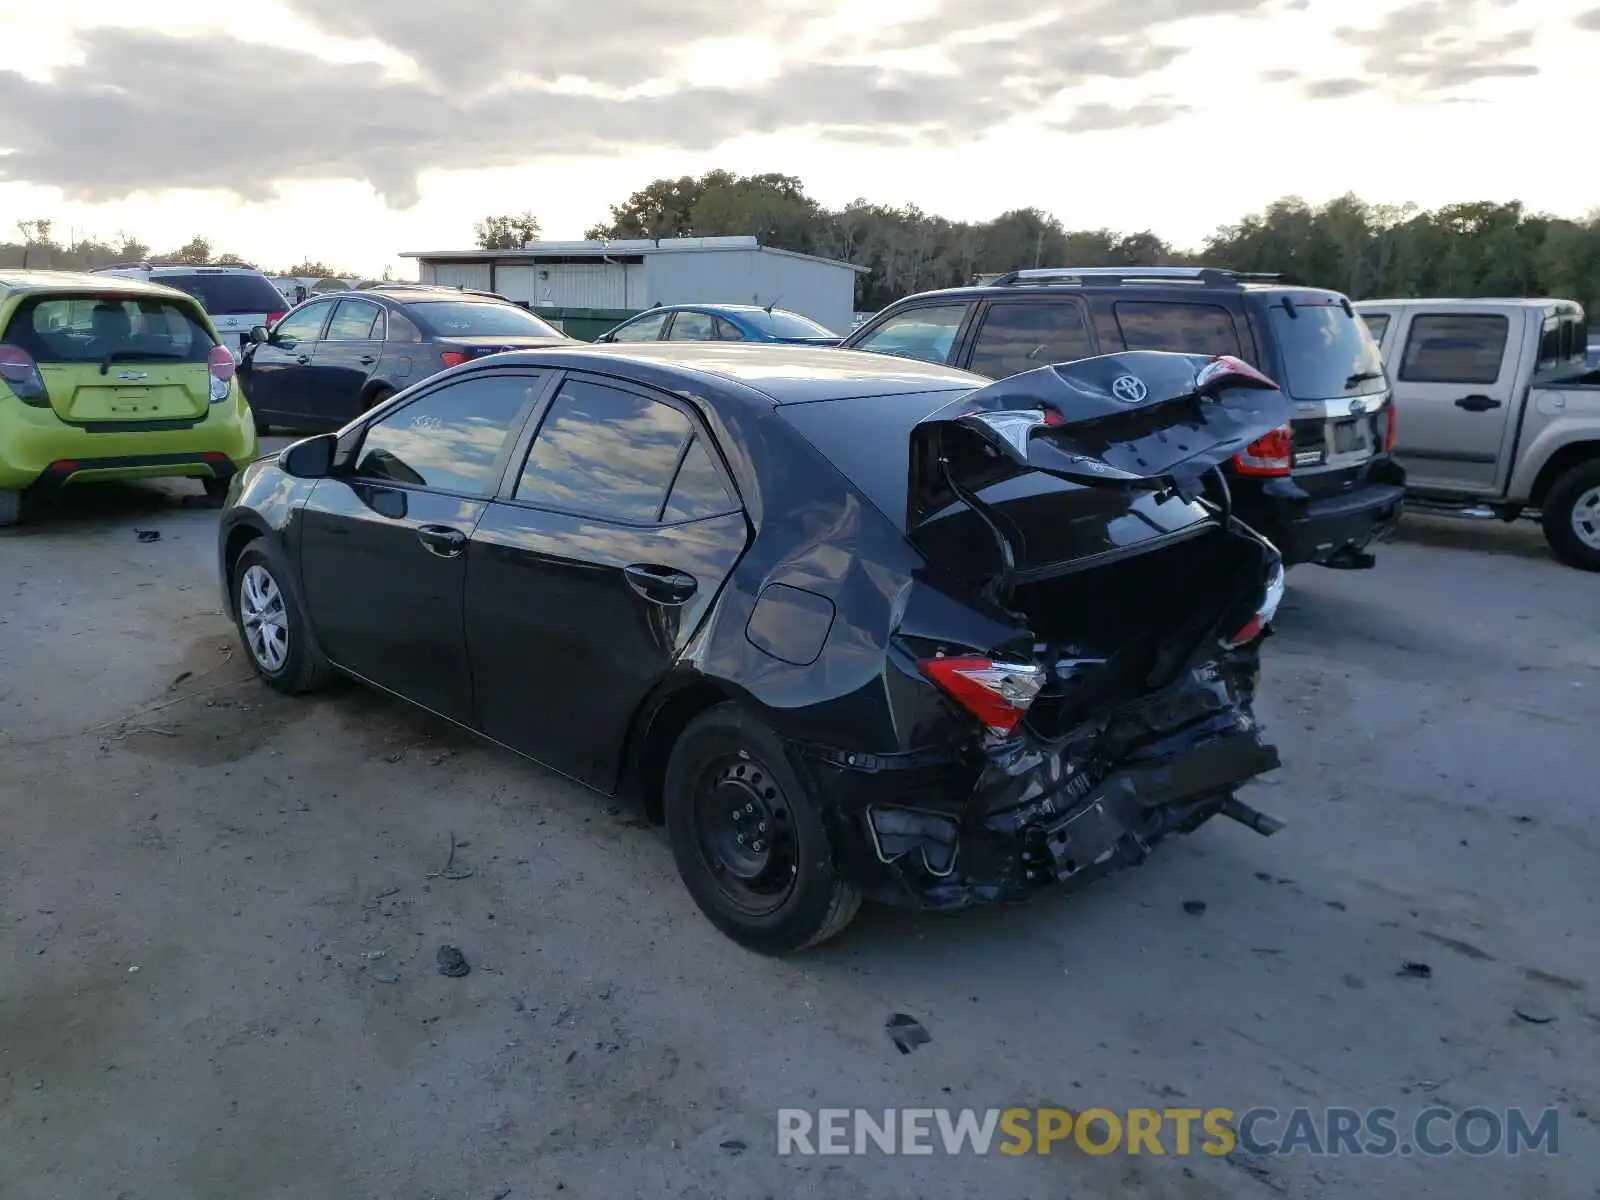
<point x="630" y="248"/>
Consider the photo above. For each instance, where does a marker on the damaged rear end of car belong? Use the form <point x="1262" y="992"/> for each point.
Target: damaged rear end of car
<point x="1079" y="655"/>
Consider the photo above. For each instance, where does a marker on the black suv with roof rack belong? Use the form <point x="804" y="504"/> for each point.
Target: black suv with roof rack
<point x="1323" y="489"/>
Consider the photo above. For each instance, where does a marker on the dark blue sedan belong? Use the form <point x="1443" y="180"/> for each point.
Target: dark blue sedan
<point x="721" y="323"/>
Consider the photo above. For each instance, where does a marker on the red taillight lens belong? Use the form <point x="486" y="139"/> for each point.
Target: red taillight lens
<point x="220" y="363"/>
<point x="1391" y="427"/>
<point x="21" y="374"/>
<point x="1272" y="454"/>
<point x="454" y="358"/>
<point x="273" y="319"/>
<point x="996" y="693"/>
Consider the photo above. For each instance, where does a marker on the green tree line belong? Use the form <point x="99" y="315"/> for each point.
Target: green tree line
<point x="38" y="246"/>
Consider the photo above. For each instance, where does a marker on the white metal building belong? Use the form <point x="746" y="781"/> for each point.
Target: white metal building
<point x="634" y="275"/>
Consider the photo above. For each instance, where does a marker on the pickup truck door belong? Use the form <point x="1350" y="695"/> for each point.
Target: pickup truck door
<point x="1455" y="370"/>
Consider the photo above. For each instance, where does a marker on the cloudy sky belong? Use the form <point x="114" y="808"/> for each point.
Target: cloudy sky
<point x="349" y="130"/>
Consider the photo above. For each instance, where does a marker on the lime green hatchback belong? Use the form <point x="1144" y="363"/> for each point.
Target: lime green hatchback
<point x="112" y="378"/>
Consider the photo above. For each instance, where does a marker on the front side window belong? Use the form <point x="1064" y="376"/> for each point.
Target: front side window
<point x="692" y="327"/>
<point x="1176" y="326"/>
<point x="1017" y="337"/>
<point x="645" y="329"/>
<point x="84" y="329"/>
<point x="1455" y="348"/>
<point x="922" y="333"/>
<point x="604" y="452"/>
<point x="450" y="438"/>
<point x="353" y="321"/>
<point x="303" y="324"/>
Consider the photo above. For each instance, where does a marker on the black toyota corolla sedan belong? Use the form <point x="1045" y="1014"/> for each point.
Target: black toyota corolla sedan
<point x="852" y="626"/>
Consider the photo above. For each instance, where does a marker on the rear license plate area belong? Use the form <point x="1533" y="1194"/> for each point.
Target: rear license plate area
<point x="1352" y="437"/>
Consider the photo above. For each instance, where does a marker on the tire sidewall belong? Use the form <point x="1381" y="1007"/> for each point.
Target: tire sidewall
<point x="297" y="664"/>
<point x="1557" y="513"/>
<point x="728" y="729"/>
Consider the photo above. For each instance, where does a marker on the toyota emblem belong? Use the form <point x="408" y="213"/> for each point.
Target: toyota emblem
<point x="1129" y="389"/>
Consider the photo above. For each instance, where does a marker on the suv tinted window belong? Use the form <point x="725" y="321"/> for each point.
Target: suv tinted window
<point x="227" y="294"/>
<point x="1017" y="337"/>
<point x="1326" y="352"/>
<point x="1177" y="326"/>
<point x="698" y="491"/>
<point x="304" y="324"/>
<point x="646" y="329"/>
<point x="352" y="321"/>
<point x="448" y="439"/>
<point x="926" y="333"/>
<point x="85" y="329"/>
<point x="1450" y="348"/>
<point x="604" y="452"/>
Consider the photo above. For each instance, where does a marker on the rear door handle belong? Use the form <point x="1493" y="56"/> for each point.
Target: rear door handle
<point x="1477" y="403"/>
<point x="366" y="360"/>
<point x="442" y="540"/>
<point x="660" y="585"/>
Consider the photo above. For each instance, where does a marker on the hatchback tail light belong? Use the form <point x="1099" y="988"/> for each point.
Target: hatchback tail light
<point x="220" y="363"/>
<point x="21" y="374"/>
<point x="1271" y="454"/>
<point x="454" y="358"/>
<point x="996" y="693"/>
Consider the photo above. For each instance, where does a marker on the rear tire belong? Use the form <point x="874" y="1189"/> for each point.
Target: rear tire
<point x="262" y="428"/>
<point x="1570" y="515"/>
<point x="749" y="839"/>
<point x="277" y="637"/>
<point x="10" y="506"/>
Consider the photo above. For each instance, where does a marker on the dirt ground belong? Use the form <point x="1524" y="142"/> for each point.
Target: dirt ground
<point x="220" y="909"/>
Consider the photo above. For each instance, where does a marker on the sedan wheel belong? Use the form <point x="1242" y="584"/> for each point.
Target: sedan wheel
<point x="266" y="623"/>
<point x="282" y="647"/>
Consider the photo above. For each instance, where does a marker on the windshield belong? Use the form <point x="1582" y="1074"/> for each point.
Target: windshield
<point x="783" y="324"/>
<point x="464" y="318"/>
<point x="103" y="329"/>
<point x="1326" y="352"/>
<point x="228" y="295"/>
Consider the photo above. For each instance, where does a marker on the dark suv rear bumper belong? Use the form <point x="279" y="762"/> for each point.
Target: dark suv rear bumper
<point x="1334" y="529"/>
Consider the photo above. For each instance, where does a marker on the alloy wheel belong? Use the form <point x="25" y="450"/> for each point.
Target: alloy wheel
<point x="265" y="618"/>
<point x="1586" y="518"/>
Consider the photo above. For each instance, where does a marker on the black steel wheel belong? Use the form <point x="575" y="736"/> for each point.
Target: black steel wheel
<point x="749" y="839"/>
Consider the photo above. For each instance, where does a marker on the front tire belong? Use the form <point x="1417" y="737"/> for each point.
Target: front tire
<point x="1570" y="515"/>
<point x="272" y="625"/>
<point x="216" y="489"/>
<point x="749" y="839"/>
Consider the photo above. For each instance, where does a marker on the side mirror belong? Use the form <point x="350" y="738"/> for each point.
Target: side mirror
<point x="259" y="335"/>
<point x="311" y="458"/>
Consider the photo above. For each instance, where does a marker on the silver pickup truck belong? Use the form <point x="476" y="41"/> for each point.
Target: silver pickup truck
<point x="1498" y="409"/>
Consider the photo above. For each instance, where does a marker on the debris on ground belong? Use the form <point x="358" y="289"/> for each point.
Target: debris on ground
<point x="1532" y="1015"/>
<point x="734" y="1146"/>
<point x="907" y="1033"/>
<point x="1194" y="907"/>
<point x="148" y="535"/>
<point x="452" y="962"/>
<point x="448" y="870"/>
<point x="1415" y="970"/>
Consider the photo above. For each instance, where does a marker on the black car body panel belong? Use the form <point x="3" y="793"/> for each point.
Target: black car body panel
<point x="810" y="596"/>
<point x="1339" y="495"/>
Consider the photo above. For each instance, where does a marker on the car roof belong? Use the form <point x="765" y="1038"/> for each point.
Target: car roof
<point x="748" y="310"/>
<point x="80" y="281"/>
<point x="1134" y="286"/>
<point x="1546" y="303"/>
<point x="177" y="269"/>
<point x="784" y="374"/>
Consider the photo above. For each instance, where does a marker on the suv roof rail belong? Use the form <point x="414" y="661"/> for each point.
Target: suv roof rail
<point x="128" y="266"/>
<point x="1205" y="276"/>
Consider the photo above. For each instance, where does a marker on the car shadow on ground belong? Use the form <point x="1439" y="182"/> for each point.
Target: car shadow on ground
<point x="110" y="503"/>
<point x="1479" y="535"/>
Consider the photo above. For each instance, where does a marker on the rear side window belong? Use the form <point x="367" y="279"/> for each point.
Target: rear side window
<point x="922" y="333"/>
<point x="728" y="332"/>
<point x="86" y="329"/>
<point x="698" y="491"/>
<point x="1017" y="337"/>
<point x="1451" y="348"/>
<point x="1182" y="328"/>
<point x="403" y="329"/>
<point x="228" y="294"/>
<point x="1377" y="324"/>
<point x="604" y="452"/>
<point x="1550" y="343"/>
<point x="353" y="321"/>
<point x="448" y="439"/>
<point x="691" y="327"/>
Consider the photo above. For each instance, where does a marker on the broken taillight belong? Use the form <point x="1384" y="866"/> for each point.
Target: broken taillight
<point x="21" y="374"/>
<point x="1271" y="454"/>
<point x="997" y="693"/>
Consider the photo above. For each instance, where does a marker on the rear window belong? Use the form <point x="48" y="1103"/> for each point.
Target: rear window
<point x="465" y="318"/>
<point x="228" y="295"/>
<point x="1325" y="352"/>
<point x="104" y="329"/>
<point x="789" y="325"/>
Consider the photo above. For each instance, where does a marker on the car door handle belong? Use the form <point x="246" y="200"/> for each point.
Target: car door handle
<point x="366" y="360"/>
<point x="303" y="359"/>
<point x="442" y="540"/>
<point x="660" y="585"/>
<point x="1477" y="403"/>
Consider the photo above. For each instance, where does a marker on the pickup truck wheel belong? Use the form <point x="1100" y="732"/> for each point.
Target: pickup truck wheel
<point x="1571" y="517"/>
